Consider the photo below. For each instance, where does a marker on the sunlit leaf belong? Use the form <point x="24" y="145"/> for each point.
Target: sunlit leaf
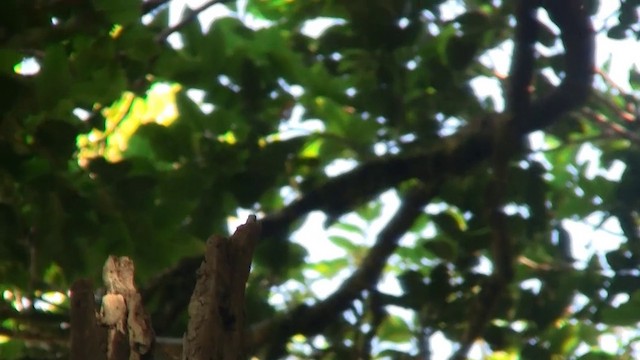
<point x="329" y="268"/>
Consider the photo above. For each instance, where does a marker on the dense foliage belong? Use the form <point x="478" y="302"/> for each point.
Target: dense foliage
<point x="121" y="133"/>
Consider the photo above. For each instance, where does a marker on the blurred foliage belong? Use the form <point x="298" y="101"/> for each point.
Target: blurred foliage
<point x="114" y="142"/>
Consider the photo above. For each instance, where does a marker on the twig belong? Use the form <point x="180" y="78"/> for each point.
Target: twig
<point x="150" y="5"/>
<point x="609" y="80"/>
<point x="612" y="127"/>
<point x="624" y="115"/>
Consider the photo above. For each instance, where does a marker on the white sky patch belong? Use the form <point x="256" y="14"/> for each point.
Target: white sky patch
<point x="609" y="343"/>
<point x="313" y="236"/>
<point x="206" y="17"/>
<point x="197" y="96"/>
<point x="340" y="166"/>
<point x="325" y="287"/>
<point x="623" y="54"/>
<point x="441" y="347"/>
<point x="593" y="236"/>
<point x="591" y="155"/>
<point x="487" y="87"/>
<point x="316" y="27"/>
<point x="28" y="66"/>
<point x="296" y="127"/>
<point x="81" y="114"/>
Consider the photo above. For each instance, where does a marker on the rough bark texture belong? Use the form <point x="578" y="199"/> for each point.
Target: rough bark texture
<point x="87" y="336"/>
<point x="216" y="310"/>
<point x="130" y="329"/>
<point x="122" y="330"/>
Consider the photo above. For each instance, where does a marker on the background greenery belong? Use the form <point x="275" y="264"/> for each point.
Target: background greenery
<point x="103" y="151"/>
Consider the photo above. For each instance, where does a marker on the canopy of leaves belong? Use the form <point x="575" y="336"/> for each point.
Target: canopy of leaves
<point x="115" y="140"/>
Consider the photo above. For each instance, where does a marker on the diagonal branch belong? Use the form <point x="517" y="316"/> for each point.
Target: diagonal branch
<point x="454" y="155"/>
<point x="312" y="319"/>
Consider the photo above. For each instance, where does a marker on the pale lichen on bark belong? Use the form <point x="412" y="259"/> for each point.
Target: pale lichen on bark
<point x="122" y="309"/>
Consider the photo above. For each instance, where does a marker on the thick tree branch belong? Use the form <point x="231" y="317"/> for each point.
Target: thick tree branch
<point x="577" y="35"/>
<point x="459" y="153"/>
<point x="454" y="155"/>
<point x="521" y="73"/>
<point x="311" y="320"/>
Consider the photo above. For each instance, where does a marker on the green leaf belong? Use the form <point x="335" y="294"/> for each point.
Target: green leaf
<point x="312" y="149"/>
<point x="57" y="138"/>
<point x="54" y="79"/>
<point x="370" y="210"/>
<point x="343" y="242"/>
<point x="9" y="58"/>
<point x="137" y="193"/>
<point x="13" y="350"/>
<point x="395" y="329"/>
<point x="160" y="142"/>
<point x="352" y="228"/>
<point x="450" y="222"/>
<point x="461" y="51"/>
<point x="121" y="12"/>
<point x="442" y="248"/>
<point x="268" y="10"/>
<point x="137" y="41"/>
<point x="598" y="355"/>
<point x="634" y="78"/>
<point x="330" y="268"/>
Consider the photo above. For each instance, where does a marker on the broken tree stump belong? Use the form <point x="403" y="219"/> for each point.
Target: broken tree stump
<point x="216" y="310"/>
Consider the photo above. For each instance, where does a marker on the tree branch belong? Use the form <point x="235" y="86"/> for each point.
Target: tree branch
<point x="577" y="35"/>
<point x="309" y="320"/>
<point x="521" y="72"/>
<point x="454" y="155"/>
